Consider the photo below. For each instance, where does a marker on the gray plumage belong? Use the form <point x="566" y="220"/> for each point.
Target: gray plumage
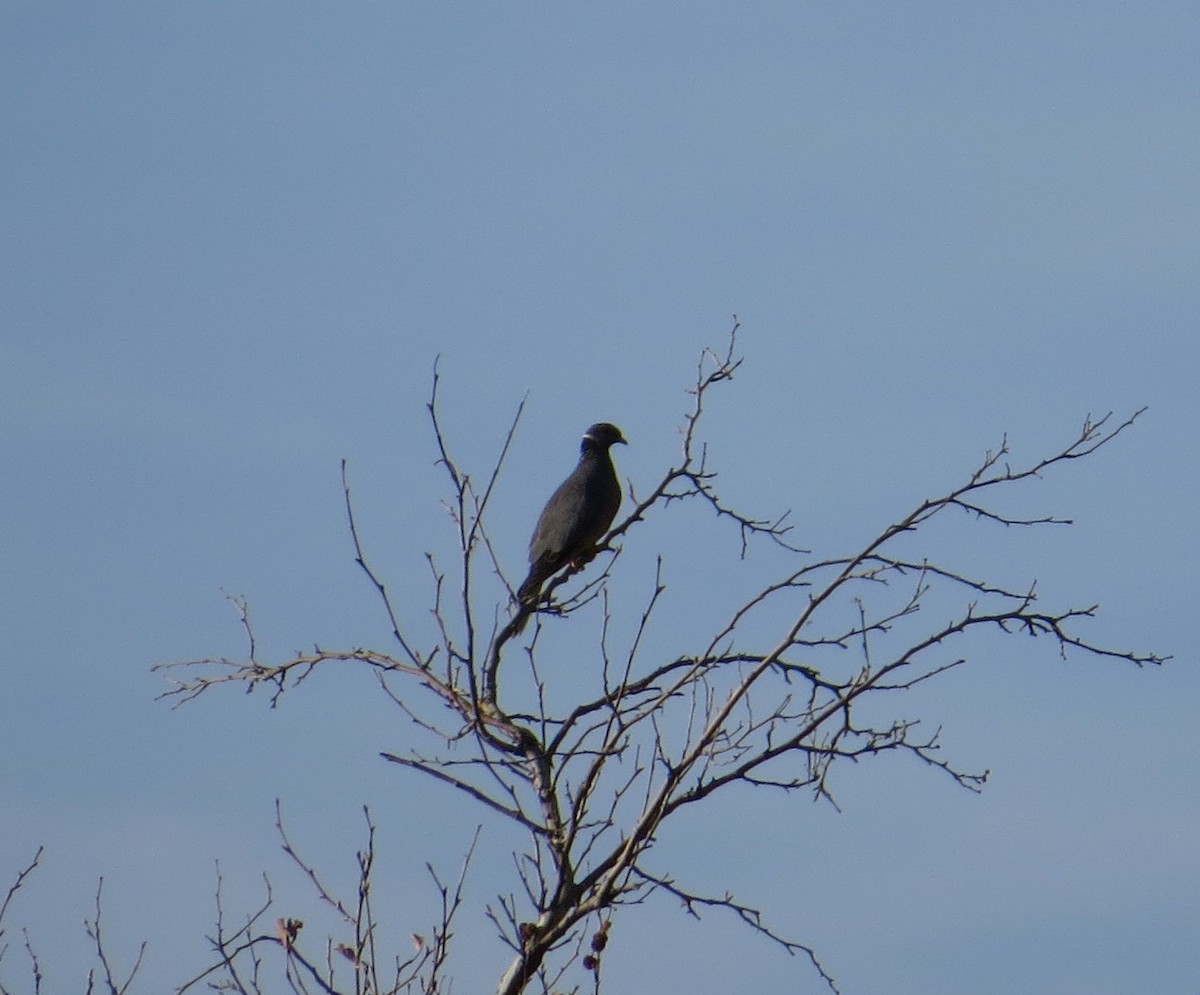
<point x="577" y="514"/>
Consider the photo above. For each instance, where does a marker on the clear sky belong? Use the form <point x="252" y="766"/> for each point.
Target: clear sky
<point x="234" y="237"/>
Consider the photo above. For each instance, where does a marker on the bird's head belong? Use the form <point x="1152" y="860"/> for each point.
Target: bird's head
<point x="603" y="435"/>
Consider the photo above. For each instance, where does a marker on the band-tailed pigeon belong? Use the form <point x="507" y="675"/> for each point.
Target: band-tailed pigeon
<point x="576" y="516"/>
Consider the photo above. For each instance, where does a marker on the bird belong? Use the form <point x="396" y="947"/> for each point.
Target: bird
<point x="577" y="515"/>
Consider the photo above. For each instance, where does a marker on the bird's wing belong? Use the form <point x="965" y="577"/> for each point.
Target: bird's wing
<point x="561" y="525"/>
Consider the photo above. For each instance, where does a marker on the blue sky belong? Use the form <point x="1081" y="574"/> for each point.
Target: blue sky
<point x="235" y="237"/>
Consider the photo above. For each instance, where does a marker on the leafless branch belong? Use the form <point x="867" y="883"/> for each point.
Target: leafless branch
<point x="111" y="985"/>
<point x="16" y="885"/>
<point x="749" y="916"/>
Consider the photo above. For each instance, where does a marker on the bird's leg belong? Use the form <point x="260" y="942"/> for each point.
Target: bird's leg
<point x="586" y="557"/>
<point x="582" y="560"/>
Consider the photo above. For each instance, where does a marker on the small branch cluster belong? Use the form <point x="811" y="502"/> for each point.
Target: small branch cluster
<point x="753" y="702"/>
<point x="100" y="979"/>
<point x="250" y="953"/>
<point x="16" y="886"/>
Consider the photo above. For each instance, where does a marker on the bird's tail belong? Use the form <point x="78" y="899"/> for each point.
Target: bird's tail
<point x="528" y="596"/>
<point x="527" y="600"/>
<point x="530" y="592"/>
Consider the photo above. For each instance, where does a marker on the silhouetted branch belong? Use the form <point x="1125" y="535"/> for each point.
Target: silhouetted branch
<point x="16" y="885"/>
<point x="749" y="916"/>
<point x="109" y="981"/>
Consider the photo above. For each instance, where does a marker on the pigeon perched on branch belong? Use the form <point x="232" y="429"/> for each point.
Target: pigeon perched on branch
<point x="576" y="516"/>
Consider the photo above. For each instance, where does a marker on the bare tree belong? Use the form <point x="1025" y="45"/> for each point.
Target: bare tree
<point x="770" y="696"/>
